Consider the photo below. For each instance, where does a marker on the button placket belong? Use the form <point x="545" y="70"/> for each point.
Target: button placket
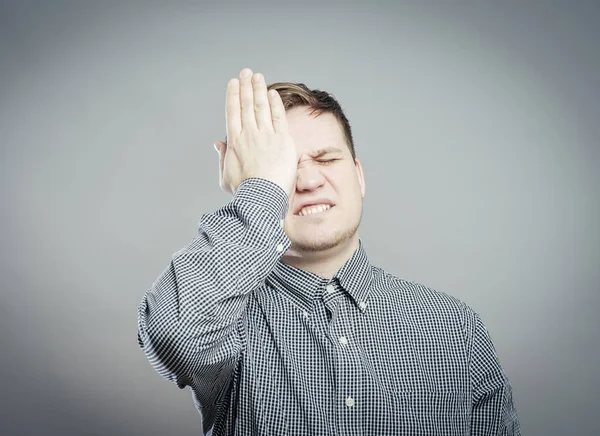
<point x="350" y="376"/>
<point x="346" y="383"/>
<point x="348" y="364"/>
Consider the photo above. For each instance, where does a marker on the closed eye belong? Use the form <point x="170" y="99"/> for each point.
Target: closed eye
<point x="326" y="161"/>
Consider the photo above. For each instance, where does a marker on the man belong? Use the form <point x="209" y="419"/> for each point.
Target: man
<point x="273" y="315"/>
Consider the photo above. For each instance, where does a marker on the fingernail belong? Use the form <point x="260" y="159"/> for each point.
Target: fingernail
<point x="216" y="147"/>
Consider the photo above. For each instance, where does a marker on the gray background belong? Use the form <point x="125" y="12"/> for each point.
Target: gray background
<point x="477" y="124"/>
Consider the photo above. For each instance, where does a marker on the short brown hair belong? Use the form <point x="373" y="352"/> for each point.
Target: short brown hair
<point x="318" y="102"/>
<point x="298" y="94"/>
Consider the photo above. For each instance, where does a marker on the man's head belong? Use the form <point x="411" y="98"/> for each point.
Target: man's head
<point x="328" y="172"/>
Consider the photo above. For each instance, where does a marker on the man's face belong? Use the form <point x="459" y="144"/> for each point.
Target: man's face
<point x="329" y="182"/>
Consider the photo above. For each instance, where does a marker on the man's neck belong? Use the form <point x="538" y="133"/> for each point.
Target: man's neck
<point x="323" y="263"/>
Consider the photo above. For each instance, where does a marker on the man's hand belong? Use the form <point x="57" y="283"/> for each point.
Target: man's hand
<point x="258" y="142"/>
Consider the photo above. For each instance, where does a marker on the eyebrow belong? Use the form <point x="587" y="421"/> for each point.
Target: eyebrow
<point x="326" y="150"/>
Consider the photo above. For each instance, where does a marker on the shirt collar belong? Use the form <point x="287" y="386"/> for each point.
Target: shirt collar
<point x="303" y="287"/>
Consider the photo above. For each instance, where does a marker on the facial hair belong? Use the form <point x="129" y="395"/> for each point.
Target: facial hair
<point x="339" y="237"/>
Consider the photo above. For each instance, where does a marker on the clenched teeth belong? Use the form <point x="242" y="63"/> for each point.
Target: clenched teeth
<point x="310" y="210"/>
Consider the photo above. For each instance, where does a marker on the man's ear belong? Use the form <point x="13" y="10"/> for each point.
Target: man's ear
<point x="361" y="177"/>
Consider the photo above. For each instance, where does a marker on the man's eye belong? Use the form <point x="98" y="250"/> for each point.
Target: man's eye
<point x="326" y="161"/>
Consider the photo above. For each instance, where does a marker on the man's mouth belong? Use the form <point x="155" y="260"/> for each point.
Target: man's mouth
<point x="314" y="209"/>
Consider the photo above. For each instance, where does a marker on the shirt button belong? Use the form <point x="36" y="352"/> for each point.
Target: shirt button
<point x="349" y="402"/>
<point x="330" y="288"/>
<point x="281" y="223"/>
<point x="362" y="305"/>
<point x="279" y="248"/>
<point x="343" y="340"/>
<point x="305" y="314"/>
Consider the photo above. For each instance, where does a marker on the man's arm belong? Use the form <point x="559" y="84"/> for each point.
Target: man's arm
<point x="190" y="321"/>
<point x="493" y="411"/>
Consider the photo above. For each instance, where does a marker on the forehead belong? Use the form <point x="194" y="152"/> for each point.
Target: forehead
<point x="312" y="133"/>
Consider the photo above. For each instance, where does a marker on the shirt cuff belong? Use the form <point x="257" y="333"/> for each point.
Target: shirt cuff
<point x="265" y="194"/>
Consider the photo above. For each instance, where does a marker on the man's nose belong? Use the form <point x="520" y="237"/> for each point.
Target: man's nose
<point x="309" y="178"/>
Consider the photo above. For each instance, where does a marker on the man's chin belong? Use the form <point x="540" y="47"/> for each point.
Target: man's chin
<point x="306" y="247"/>
<point x="318" y="245"/>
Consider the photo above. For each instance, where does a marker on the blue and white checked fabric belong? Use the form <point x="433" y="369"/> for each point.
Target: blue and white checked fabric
<point x="268" y="349"/>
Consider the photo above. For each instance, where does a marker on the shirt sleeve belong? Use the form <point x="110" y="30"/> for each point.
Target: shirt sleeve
<point x="493" y="411"/>
<point x="190" y="322"/>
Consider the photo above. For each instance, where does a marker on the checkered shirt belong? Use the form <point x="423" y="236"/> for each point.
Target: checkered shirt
<point x="269" y="349"/>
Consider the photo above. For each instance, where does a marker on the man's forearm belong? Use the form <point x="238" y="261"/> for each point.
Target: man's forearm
<point x="187" y="320"/>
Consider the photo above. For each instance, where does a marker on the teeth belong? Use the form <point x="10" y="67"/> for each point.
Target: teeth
<point x="313" y="209"/>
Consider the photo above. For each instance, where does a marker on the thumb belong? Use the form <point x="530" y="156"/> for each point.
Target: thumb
<point x="221" y="148"/>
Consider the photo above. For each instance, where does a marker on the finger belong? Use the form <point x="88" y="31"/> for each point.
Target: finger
<point x="277" y="112"/>
<point x="262" y="108"/>
<point x="247" y="99"/>
<point x="233" y="109"/>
